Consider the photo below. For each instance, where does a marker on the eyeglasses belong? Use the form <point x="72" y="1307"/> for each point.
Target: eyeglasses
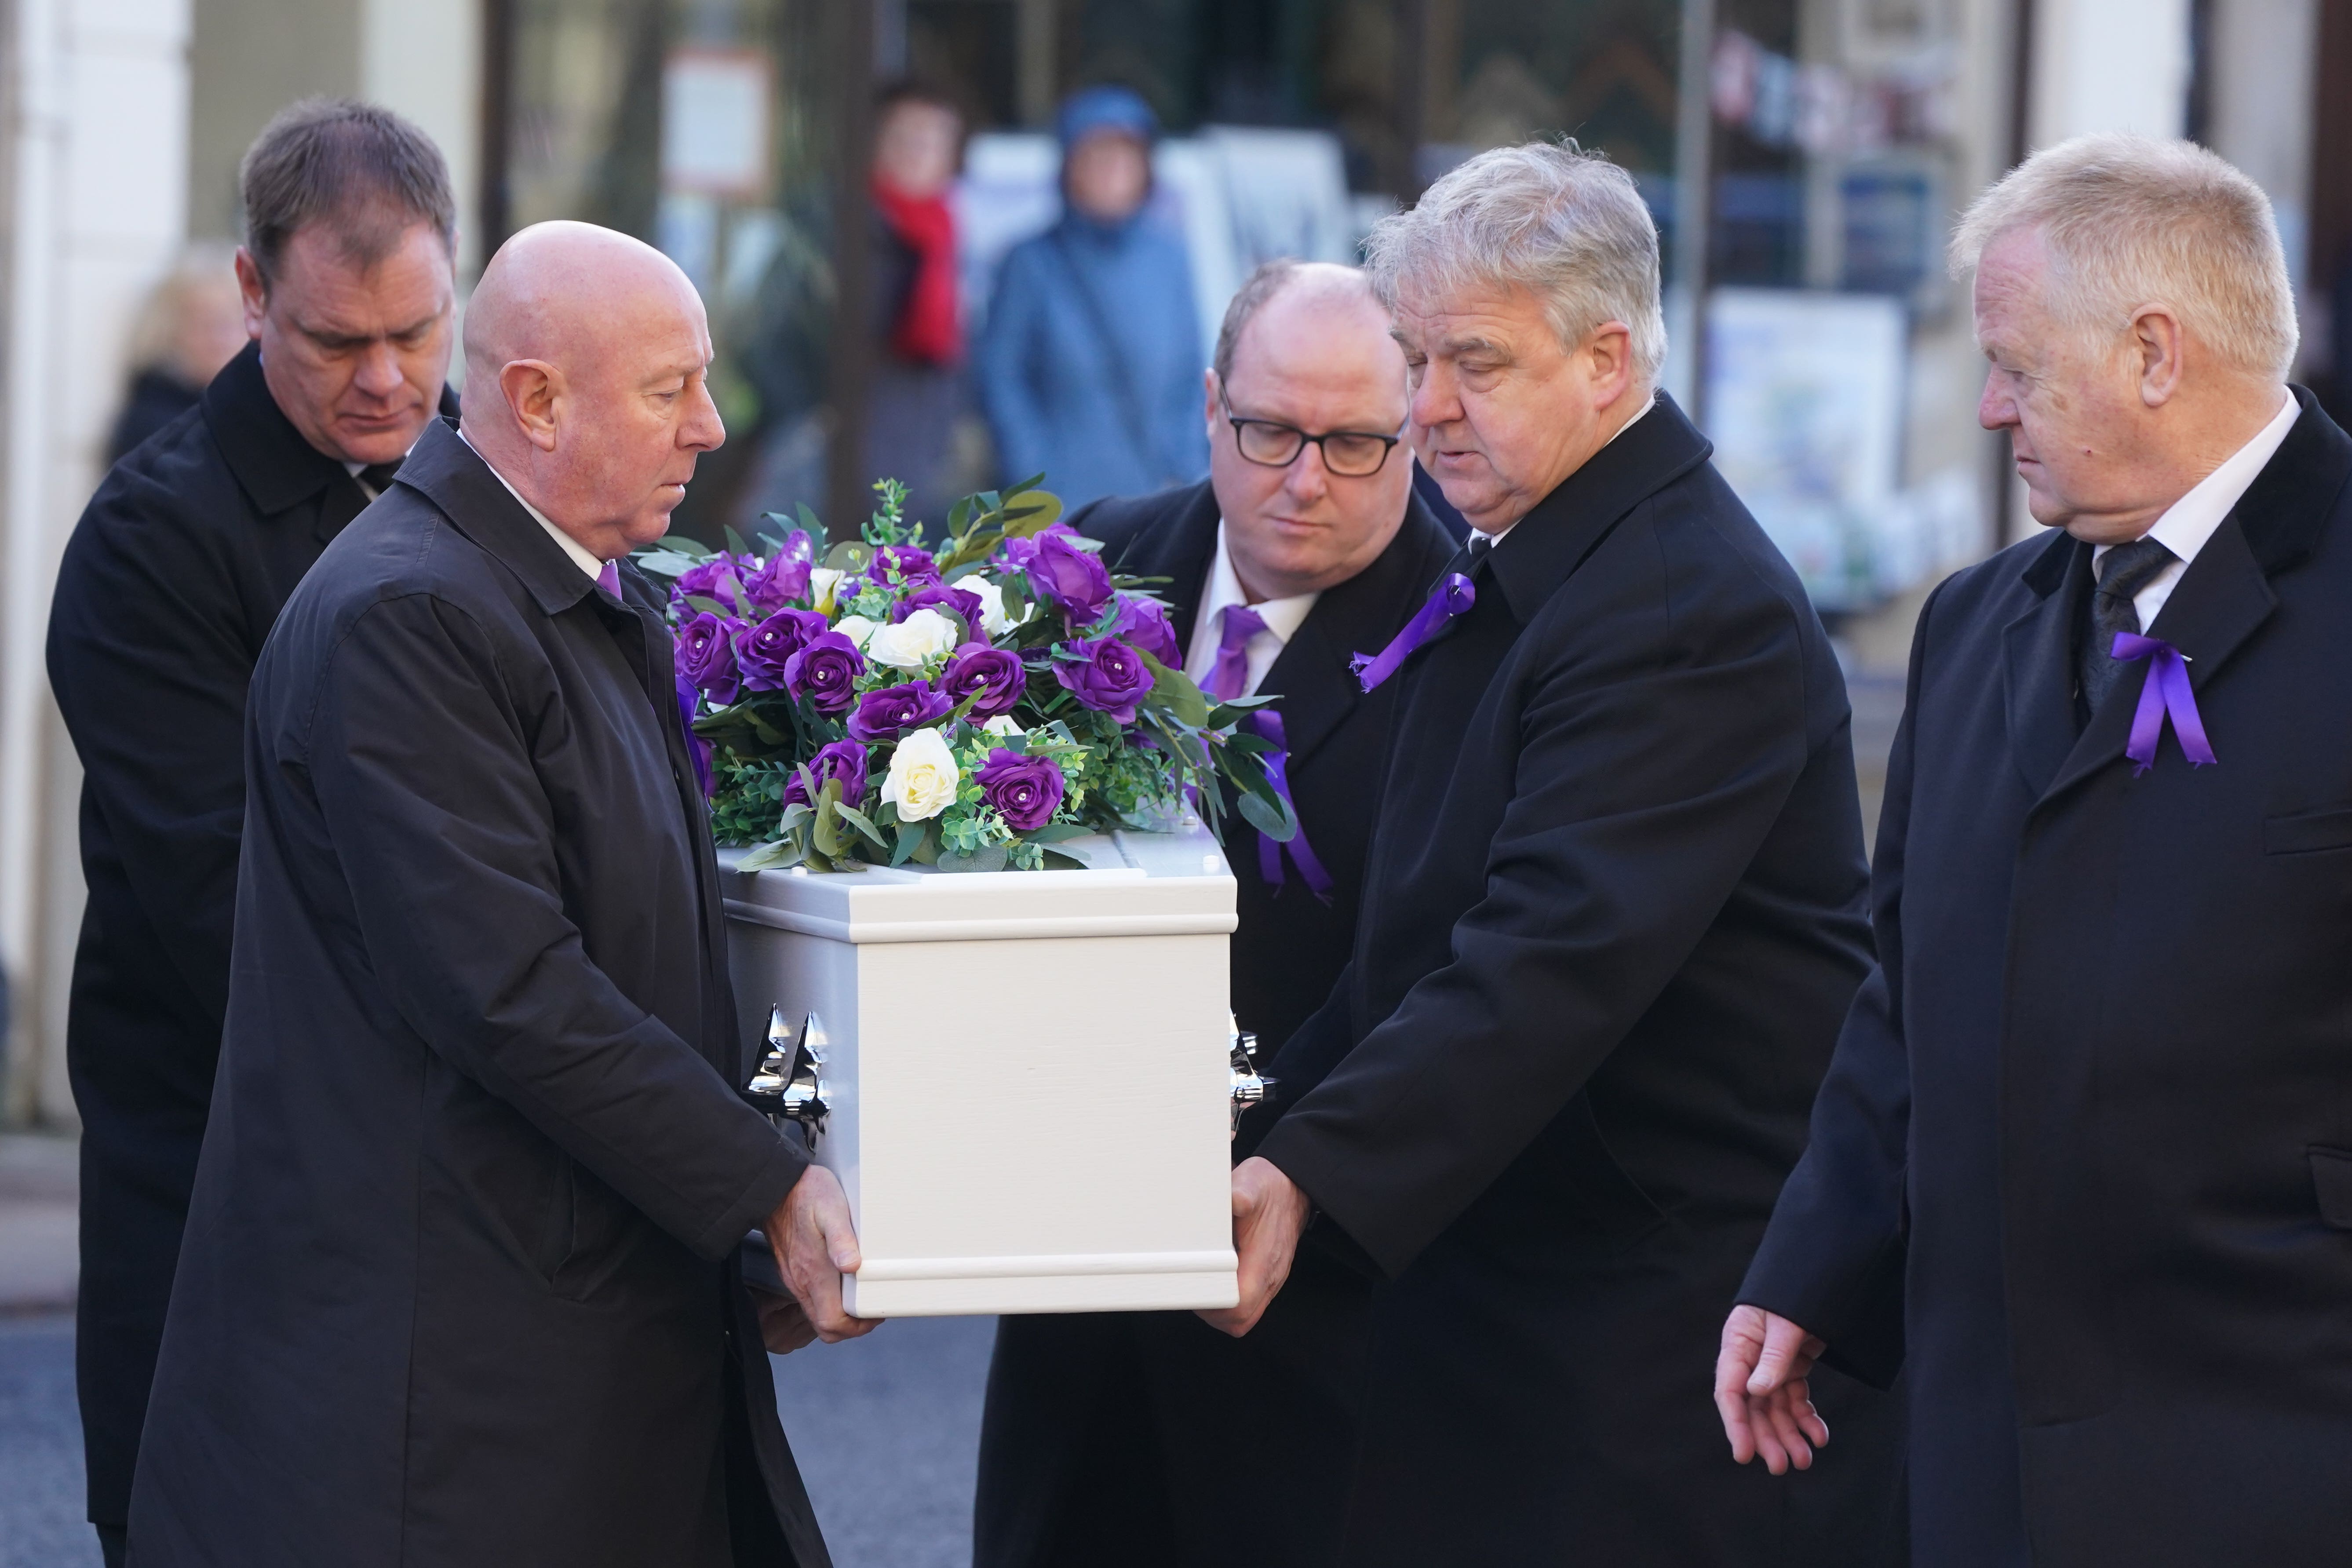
<point x="1350" y="454"/>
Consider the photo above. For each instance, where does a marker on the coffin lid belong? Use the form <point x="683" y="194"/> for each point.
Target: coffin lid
<point x="1138" y="884"/>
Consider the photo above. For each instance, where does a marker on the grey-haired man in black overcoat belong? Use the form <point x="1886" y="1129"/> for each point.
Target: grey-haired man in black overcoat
<point x="1611" y="917"/>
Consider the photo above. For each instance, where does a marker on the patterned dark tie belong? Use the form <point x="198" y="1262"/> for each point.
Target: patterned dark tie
<point x="2123" y="573"/>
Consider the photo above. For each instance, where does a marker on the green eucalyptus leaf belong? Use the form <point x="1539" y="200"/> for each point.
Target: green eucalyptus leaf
<point x="1174" y="689"/>
<point x="1031" y="483"/>
<point x="1271" y="820"/>
<point x="860" y="821"/>
<point x="1055" y="832"/>
<point x="1059" y="860"/>
<point x="705" y="603"/>
<point x="990" y="858"/>
<point x="779" y="853"/>
<point x="684" y="545"/>
<point x="825" y="833"/>
<point x="852" y="555"/>
<point x="809" y="526"/>
<point x="734" y="540"/>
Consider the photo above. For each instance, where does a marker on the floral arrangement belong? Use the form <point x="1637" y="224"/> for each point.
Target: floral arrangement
<point x="966" y="705"/>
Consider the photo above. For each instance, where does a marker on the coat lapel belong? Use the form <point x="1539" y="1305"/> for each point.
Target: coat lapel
<point x="1311" y="676"/>
<point x="2225" y="596"/>
<point x="2038" y="650"/>
<point x="1180" y="548"/>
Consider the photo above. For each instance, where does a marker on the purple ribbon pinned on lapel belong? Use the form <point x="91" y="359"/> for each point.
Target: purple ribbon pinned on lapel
<point x="2166" y="691"/>
<point x="1268" y="725"/>
<point x="1453" y="597"/>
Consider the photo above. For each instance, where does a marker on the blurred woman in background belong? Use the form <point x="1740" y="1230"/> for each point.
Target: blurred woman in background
<point x="192" y="323"/>
<point x="1089" y="364"/>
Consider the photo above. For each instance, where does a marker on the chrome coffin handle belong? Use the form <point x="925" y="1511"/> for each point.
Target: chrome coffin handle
<point x="790" y="1084"/>
<point x="1249" y="1087"/>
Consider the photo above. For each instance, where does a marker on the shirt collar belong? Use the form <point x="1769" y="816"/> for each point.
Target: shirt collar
<point x="1496" y="537"/>
<point x="2189" y="522"/>
<point x="1282" y="617"/>
<point x="572" y="547"/>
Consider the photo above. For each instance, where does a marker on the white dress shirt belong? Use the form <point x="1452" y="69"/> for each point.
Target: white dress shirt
<point x="572" y="547"/>
<point x="1496" y="537"/>
<point x="2189" y="522"/>
<point x="1282" y="617"/>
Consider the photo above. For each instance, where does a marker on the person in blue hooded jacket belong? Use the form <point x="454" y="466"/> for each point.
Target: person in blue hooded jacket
<point x="1089" y="364"/>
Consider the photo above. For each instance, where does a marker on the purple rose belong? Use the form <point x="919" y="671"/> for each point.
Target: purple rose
<point x="1144" y="623"/>
<point x="886" y="714"/>
<point x="706" y="656"/>
<point x="1072" y="579"/>
<point x="938" y="595"/>
<point x="784" y="579"/>
<point x="996" y="673"/>
<point x="764" y="649"/>
<point x="826" y="671"/>
<point x="1016" y="553"/>
<point x="714" y="579"/>
<point x="908" y="561"/>
<point x="1108" y="676"/>
<point x="843" y="759"/>
<point x="1025" y="791"/>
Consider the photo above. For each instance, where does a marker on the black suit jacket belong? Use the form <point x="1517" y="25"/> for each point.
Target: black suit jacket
<point x="458" y="1279"/>
<point x="2084" y="1162"/>
<point x="1115" y="1436"/>
<point x="1290" y="947"/>
<point x="1613" y="918"/>
<point x="169" y="585"/>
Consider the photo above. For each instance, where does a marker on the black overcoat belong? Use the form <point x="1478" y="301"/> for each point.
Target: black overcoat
<point x="1116" y="1436"/>
<point x="457" y="1283"/>
<point x="170" y="582"/>
<point x="1613" y="915"/>
<point x="2083" y="1166"/>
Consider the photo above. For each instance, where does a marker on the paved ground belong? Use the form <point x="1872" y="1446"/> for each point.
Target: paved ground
<point x="885" y="1428"/>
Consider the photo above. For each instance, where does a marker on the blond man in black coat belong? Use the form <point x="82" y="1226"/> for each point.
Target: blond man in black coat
<point x="460" y="1282"/>
<point x="2082" y="1167"/>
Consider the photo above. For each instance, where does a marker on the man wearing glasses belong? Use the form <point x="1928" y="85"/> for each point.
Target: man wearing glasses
<point x="1128" y="1437"/>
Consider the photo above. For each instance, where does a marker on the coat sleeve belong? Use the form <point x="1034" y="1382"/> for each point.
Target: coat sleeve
<point x="1659" y="742"/>
<point x="1004" y="370"/>
<point x="149" y="656"/>
<point x="1832" y="1259"/>
<point x="446" y="840"/>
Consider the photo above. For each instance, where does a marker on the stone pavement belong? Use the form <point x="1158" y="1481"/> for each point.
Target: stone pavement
<point x="885" y="1428"/>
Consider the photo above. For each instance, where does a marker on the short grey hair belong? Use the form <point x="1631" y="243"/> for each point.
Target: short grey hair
<point x="368" y="174"/>
<point x="2130" y="222"/>
<point x="1568" y="226"/>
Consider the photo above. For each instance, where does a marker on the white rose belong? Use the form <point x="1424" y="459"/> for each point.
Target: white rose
<point x="857" y="628"/>
<point x="992" y="618"/>
<point x="914" y="641"/>
<point x="923" y="776"/>
<point x="823" y="580"/>
<point x="1001" y="724"/>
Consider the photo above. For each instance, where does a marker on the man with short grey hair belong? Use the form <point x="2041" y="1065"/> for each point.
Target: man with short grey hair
<point x="169" y="587"/>
<point x="2081" y="1169"/>
<point x="1611" y="920"/>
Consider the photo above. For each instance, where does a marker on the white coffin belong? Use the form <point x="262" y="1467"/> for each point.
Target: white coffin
<point x="1027" y="1071"/>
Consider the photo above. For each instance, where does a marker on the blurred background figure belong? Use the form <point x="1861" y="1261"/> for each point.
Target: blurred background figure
<point x="918" y="390"/>
<point x="191" y="324"/>
<point x="1091" y="359"/>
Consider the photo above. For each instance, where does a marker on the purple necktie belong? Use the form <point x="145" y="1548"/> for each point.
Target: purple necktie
<point x="1231" y="672"/>
<point x="609" y="579"/>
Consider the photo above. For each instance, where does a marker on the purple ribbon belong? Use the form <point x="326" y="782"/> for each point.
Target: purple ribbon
<point x="1268" y="725"/>
<point x="1453" y="597"/>
<point x="697" y="748"/>
<point x="2166" y="691"/>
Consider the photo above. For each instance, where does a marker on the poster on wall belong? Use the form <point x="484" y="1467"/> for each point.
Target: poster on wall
<point x="1805" y="404"/>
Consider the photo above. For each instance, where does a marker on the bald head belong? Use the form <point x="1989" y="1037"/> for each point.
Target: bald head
<point x="1306" y="346"/>
<point x="586" y="361"/>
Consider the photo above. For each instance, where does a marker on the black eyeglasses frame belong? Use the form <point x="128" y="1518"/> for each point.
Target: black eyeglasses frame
<point x="1237" y="421"/>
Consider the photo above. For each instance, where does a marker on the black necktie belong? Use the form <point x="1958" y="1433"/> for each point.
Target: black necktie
<point x="2123" y="572"/>
<point x="1469" y="558"/>
<point x="377" y="476"/>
